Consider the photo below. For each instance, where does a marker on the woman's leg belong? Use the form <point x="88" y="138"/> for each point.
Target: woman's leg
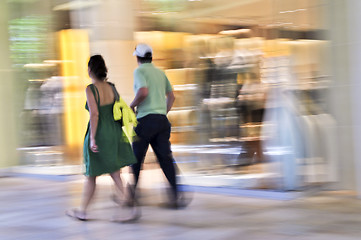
<point x="119" y="185"/>
<point x="88" y="193"/>
<point x="118" y="182"/>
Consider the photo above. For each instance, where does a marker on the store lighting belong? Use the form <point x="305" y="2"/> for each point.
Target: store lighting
<point x="77" y="4"/>
<point x="185" y="87"/>
<point x="39" y="65"/>
<point x="36" y="80"/>
<point x="56" y="61"/>
<point x="162" y="13"/>
<point x="292" y="11"/>
<point x="74" y="52"/>
<point x="234" y="32"/>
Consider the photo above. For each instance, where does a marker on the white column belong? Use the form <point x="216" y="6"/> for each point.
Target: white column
<point x="111" y="28"/>
<point x="354" y="47"/>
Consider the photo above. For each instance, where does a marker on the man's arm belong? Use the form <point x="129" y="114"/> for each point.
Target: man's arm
<point x="139" y="97"/>
<point x="170" y="100"/>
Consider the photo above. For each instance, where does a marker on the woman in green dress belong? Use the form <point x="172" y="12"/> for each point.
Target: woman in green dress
<point x="106" y="147"/>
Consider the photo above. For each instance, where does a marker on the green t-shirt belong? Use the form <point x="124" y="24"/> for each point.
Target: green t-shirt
<point x="151" y="77"/>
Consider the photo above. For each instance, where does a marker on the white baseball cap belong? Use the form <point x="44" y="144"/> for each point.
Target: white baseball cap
<point x="141" y="49"/>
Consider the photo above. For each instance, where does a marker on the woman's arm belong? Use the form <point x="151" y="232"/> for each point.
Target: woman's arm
<point x="94" y="115"/>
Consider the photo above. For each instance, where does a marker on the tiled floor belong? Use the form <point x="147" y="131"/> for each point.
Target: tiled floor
<point x="33" y="208"/>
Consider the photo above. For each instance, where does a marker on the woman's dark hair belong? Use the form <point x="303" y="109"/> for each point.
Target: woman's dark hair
<point x="146" y="59"/>
<point x="97" y="67"/>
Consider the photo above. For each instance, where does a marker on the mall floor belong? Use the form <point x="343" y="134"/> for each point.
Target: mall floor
<point x="33" y="207"/>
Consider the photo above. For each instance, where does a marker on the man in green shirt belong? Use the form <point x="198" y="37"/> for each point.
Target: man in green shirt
<point x="153" y="100"/>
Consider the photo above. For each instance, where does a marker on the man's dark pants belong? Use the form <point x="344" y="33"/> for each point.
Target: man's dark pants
<point x="154" y="129"/>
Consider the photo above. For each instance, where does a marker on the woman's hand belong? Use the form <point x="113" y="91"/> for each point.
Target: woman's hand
<point x="93" y="146"/>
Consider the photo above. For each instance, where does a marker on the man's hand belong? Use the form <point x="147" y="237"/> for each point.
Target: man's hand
<point x="133" y="108"/>
<point x="170" y="100"/>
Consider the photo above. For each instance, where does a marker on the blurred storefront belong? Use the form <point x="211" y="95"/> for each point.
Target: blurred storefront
<point x="49" y="63"/>
<point x="251" y="80"/>
<point x="49" y="44"/>
<point x="254" y="83"/>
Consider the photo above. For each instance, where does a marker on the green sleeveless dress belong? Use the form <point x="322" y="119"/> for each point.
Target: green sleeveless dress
<point x="114" y="149"/>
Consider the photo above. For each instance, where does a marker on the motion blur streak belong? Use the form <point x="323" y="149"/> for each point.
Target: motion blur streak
<point x="267" y="106"/>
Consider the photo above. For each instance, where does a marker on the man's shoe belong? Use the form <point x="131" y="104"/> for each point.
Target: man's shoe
<point x="181" y="202"/>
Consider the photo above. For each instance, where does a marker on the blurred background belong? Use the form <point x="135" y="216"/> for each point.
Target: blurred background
<point x="267" y="91"/>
